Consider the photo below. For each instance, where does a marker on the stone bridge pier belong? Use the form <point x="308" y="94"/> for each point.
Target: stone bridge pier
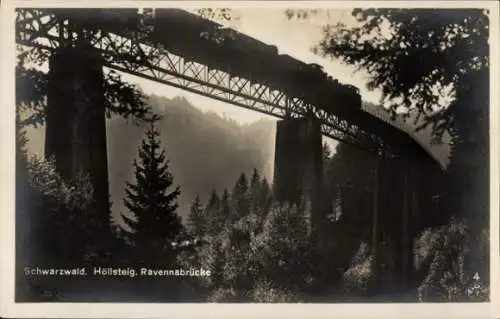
<point x="76" y="126"/>
<point x="298" y="166"/>
<point x="396" y="215"/>
<point x="396" y="197"/>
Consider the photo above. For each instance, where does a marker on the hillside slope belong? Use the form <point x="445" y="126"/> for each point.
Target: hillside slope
<point x="204" y="150"/>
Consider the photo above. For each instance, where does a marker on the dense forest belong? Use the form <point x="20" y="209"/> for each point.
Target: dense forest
<point x="258" y="250"/>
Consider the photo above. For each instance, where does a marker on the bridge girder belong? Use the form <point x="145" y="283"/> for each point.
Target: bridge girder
<point x="45" y="30"/>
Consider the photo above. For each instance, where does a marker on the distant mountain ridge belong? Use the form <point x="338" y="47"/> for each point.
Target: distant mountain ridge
<point x="205" y="150"/>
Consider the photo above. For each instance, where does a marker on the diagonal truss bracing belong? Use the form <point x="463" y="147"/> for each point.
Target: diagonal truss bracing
<point x="129" y="54"/>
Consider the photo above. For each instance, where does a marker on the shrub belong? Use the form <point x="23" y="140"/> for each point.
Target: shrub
<point x="264" y="291"/>
<point x="223" y="295"/>
<point x="441" y="254"/>
<point x="281" y="252"/>
<point x="357" y="278"/>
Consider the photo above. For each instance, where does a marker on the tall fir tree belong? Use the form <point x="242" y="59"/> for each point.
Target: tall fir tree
<point x="152" y="200"/>
<point x="196" y="220"/>
<point x="225" y="209"/>
<point x="240" y="198"/>
<point x="241" y="186"/>
<point x="255" y="181"/>
<point x="212" y="213"/>
<point x="256" y="186"/>
<point x="265" y="197"/>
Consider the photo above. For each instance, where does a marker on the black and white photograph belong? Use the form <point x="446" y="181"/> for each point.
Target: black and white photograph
<point x="276" y="154"/>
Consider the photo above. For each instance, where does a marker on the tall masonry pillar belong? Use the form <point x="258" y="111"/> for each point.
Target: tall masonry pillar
<point x="298" y="165"/>
<point x="76" y="123"/>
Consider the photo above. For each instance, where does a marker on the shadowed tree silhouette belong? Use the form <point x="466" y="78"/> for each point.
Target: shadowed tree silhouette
<point x="448" y="91"/>
<point x="152" y="200"/>
<point x="447" y="44"/>
<point x="211" y="214"/>
<point x="240" y="198"/>
<point x="196" y="220"/>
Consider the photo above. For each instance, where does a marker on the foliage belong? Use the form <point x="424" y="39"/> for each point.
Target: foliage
<point x="212" y="257"/>
<point x="217" y="14"/>
<point x="254" y="255"/>
<point x="196" y="220"/>
<point x="224" y="16"/>
<point x="49" y="208"/>
<point x="447" y="44"/>
<point x="240" y="198"/>
<point x="264" y="291"/>
<point x="212" y="222"/>
<point x="241" y="186"/>
<point x="43" y="178"/>
<point x="21" y="144"/>
<point x="121" y="98"/>
<point x="449" y="90"/>
<point x="441" y="254"/>
<point x="281" y="250"/>
<point x="150" y="199"/>
<point x="223" y="295"/>
<point x="53" y="209"/>
<point x="265" y="196"/>
<point x="357" y="278"/>
<point x="224" y="214"/>
<point x="31" y="88"/>
<point x="124" y="99"/>
<point x="260" y="196"/>
<point x="305" y="13"/>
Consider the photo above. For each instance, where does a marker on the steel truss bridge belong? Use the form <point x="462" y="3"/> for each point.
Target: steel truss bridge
<point x="180" y="49"/>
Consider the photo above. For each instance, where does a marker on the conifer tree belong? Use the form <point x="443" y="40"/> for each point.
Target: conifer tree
<point x="225" y="198"/>
<point x="265" y="197"/>
<point x="225" y="210"/>
<point x="241" y="186"/>
<point x="152" y="199"/>
<point x="212" y="213"/>
<point x="213" y="201"/>
<point x="258" y="193"/>
<point x="196" y="222"/>
<point x="255" y="186"/>
<point x="255" y="181"/>
<point x="240" y="198"/>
